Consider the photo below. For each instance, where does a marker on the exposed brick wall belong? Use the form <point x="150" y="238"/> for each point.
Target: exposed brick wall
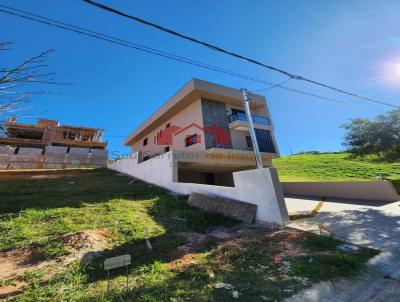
<point x="214" y="114"/>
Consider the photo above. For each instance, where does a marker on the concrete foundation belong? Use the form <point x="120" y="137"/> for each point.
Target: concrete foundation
<point x="30" y="151"/>
<point x="7" y="150"/>
<point x="79" y="151"/>
<point x="54" y="157"/>
<point x="260" y="187"/>
<point x="362" y="190"/>
<point x="55" y="150"/>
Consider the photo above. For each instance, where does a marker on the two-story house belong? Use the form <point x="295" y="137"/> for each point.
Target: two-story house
<point x="205" y="127"/>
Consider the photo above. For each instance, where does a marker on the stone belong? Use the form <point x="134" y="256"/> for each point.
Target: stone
<point x="193" y="237"/>
<point x="224" y="285"/>
<point x="238" y="210"/>
<point x="222" y="234"/>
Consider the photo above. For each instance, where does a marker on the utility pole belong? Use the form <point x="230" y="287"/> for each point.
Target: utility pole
<point x="250" y="125"/>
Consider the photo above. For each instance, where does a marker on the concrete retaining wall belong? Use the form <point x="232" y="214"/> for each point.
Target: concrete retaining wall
<point x="374" y="191"/>
<point x="30" y="151"/>
<point x="55" y="150"/>
<point x="54" y="157"/>
<point x="260" y="187"/>
<point x="7" y="150"/>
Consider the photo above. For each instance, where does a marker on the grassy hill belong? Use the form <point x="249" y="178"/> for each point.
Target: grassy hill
<point x="334" y="167"/>
<point x="58" y="227"/>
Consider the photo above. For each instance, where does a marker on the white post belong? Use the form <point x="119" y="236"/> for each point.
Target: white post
<point x="250" y="125"/>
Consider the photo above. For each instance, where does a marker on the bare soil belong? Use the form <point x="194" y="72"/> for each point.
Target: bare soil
<point x="16" y="263"/>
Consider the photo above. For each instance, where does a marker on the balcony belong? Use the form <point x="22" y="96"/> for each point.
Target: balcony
<point x="238" y="121"/>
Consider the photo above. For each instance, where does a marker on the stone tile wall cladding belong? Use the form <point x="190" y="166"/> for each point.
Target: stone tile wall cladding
<point x="238" y="210"/>
<point x="214" y="114"/>
<point x="51" y="157"/>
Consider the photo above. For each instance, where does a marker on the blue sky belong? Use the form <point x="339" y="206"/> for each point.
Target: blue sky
<point x="354" y="45"/>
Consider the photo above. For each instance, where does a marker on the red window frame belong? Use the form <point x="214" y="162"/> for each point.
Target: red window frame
<point x="192" y="139"/>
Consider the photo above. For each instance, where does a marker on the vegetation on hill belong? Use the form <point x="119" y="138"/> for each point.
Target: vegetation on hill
<point x="379" y="137"/>
<point x="57" y="227"/>
<point x="334" y="167"/>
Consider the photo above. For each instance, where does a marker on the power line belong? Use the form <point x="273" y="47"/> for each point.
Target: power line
<point x="233" y="54"/>
<point x="273" y="86"/>
<point x="125" y="43"/>
<point x="121" y="42"/>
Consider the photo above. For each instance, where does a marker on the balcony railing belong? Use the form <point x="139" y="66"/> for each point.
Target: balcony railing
<point x="240" y="116"/>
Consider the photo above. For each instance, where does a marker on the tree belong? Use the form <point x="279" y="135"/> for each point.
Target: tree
<point x="380" y="136"/>
<point x="16" y="82"/>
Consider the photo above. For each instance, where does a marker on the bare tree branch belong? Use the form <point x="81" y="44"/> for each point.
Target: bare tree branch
<point x="25" y="74"/>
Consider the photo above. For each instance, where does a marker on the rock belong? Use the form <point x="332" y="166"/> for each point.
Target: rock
<point x="184" y="248"/>
<point x="346" y="247"/>
<point x="89" y="257"/>
<point x="193" y="237"/>
<point x="224" y="286"/>
<point x="221" y="234"/>
<point x="235" y="294"/>
<point x="238" y="210"/>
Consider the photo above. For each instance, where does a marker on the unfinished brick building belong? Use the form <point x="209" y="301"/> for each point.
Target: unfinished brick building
<point x="49" y="145"/>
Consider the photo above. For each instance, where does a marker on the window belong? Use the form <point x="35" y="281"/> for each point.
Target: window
<point x="192" y="139"/>
<point x="249" y="141"/>
<point x="166" y="149"/>
<point x="167" y="125"/>
<point x="145" y="142"/>
<point x="265" y="141"/>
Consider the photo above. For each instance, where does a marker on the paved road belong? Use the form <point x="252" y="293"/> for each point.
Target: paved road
<point x="372" y="224"/>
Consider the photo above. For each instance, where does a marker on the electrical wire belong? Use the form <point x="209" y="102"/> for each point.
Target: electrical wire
<point x="236" y="55"/>
<point x="121" y="42"/>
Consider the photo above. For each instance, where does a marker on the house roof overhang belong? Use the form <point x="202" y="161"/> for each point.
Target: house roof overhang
<point x="192" y="91"/>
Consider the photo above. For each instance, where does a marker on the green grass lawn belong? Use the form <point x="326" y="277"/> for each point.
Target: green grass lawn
<point x="334" y="167"/>
<point x="36" y="213"/>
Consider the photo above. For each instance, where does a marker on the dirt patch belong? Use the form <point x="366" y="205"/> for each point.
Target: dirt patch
<point x="88" y="240"/>
<point x="285" y="243"/>
<point x="17" y="263"/>
<point x="184" y="262"/>
<point x="14" y="264"/>
<point x="278" y="243"/>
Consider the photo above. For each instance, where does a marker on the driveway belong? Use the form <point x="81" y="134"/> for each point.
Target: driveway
<point x="372" y="224"/>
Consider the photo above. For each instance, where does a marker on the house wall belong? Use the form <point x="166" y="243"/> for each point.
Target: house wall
<point x="202" y="112"/>
<point x="192" y="114"/>
<point x="239" y="139"/>
<point x="260" y="110"/>
<point x="214" y="114"/>
<point x="260" y="187"/>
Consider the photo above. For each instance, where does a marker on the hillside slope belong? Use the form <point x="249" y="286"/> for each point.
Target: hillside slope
<point x="334" y="167"/>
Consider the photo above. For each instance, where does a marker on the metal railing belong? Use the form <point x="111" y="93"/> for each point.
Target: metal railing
<point x="239" y="116"/>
